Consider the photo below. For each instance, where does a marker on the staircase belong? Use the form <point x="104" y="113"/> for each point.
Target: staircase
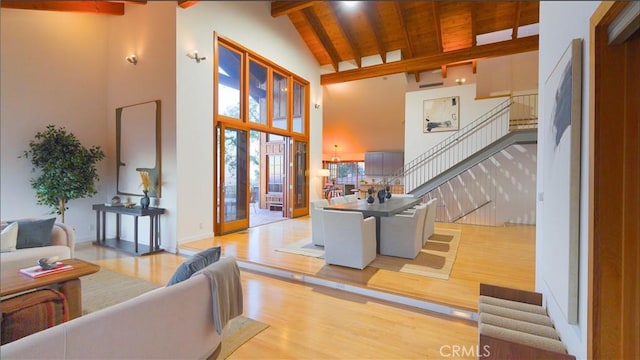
<point x="514" y="121"/>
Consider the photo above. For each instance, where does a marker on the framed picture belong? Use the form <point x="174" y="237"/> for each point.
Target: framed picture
<point x="561" y="178"/>
<point x="441" y="114"/>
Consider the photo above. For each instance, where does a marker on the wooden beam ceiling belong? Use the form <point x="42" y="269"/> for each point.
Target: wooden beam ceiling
<point x="323" y="37"/>
<point x="343" y="26"/>
<point x="95" y="7"/>
<point x="430" y="62"/>
<point x="185" y="4"/>
<point x="374" y="24"/>
<point x="279" y="8"/>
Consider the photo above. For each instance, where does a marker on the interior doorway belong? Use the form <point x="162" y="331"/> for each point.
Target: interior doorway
<point x="267" y="178"/>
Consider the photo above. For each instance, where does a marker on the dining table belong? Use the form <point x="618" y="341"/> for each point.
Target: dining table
<point x="376" y="209"/>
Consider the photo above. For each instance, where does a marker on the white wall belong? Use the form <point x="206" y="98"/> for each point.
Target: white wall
<point x="250" y="24"/>
<point x="511" y="74"/>
<point x="560" y="22"/>
<point x="415" y="141"/>
<point x="52" y="72"/>
<point x="149" y="32"/>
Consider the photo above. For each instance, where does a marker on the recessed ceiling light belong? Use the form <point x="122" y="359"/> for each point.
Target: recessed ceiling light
<point x="350" y="4"/>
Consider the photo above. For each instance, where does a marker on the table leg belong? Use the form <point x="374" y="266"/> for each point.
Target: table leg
<point x="377" y="234"/>
<point x="73" y="292"/>
<point x="117" y="226"/>
<point x="104" y="226"/>
<point x="135" y="233"/>
<point x="151" y="219"/>
<point x="98" y="226"/>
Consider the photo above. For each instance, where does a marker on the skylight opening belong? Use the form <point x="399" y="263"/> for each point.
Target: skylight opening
<point x="528" y="30"/>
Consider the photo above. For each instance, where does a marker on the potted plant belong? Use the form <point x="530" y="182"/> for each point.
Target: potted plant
<point x="67" y="169"/>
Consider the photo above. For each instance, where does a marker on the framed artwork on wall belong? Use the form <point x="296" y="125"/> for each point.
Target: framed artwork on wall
<point x="561" y="178"/>
<point x="441" y="114"/>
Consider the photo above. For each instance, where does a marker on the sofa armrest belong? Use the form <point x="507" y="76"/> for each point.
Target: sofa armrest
<point x="63" y="234"/>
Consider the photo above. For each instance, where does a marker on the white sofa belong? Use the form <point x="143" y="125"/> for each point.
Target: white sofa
<point x="63" y="241"/>
<point x="174" y="322"/>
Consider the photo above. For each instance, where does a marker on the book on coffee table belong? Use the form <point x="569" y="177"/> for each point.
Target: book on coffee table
<point x="38" y="271"/>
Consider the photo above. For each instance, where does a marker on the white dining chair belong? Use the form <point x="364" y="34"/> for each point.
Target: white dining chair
<point x="351" y="198"/>
<point x="338" y="200"/>
<point x="429" y="220"/>
<point x="317" y="221"/>
<point x="350" y="239"/>
<point x="401" y="234"/>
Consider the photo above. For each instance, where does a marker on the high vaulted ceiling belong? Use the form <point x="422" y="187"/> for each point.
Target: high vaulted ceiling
<point x="429" y="34"/>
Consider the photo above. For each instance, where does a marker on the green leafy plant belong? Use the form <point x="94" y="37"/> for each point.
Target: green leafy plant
<point x="67" y="169"/>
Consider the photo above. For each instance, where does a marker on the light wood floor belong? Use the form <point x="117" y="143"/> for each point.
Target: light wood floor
<point x="502" y="256"/>
<point x="320" y="323"/>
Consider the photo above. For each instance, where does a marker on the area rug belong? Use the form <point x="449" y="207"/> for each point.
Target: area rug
<point x="303" y="247"/>
<point x="434" y="260"/>
<point x="106" y="288"/>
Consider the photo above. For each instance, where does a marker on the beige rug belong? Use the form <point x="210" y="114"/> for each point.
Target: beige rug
<point x="106" y="288"/>
<point x="434" y="260"/>
<point x="303" y="247"/>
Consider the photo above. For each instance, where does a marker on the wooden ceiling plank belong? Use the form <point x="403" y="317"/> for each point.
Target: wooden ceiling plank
<point x="405" y="31"/>
<point x="346" y="32"/>
<point x="436" y="24"/>
<point x="311" y="17"/>
<point x="186" y="4"/>
<point x="529" y="43"/>
<point x="95" y="7"/>
<point x="374" y="24"/>
<point x="516" y="22"/>
<point x="280" y="8"/>
<point x="474" y="25"/>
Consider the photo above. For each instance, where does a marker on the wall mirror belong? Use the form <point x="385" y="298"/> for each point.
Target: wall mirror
<point x="138" y="147"/>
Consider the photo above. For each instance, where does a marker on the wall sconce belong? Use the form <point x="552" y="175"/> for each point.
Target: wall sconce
<point x="132" y="59"/>
<point x="194" y="55"/>
<point x="317" y="106"/>
<point x="461" y="81"/>
<point x="324" y="173"/>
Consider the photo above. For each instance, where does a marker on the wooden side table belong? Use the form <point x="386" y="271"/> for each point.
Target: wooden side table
<point x="130" y="247"/>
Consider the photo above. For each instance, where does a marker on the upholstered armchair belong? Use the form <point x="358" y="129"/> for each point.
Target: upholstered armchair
<point x="350" y="239"/>
<point x="317" y="221"/>
<point x="401" y="235"/>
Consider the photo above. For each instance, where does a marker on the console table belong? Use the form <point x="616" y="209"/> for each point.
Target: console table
<point x="131" y="247"/>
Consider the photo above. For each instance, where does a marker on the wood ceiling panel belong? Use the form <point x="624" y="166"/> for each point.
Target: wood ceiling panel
<point x="456" y="25"/>
<point x="392" y="33"/>
<point x="310" y="38"/>
<point x="329" y="22"/>
<point x="418" y="17"/>
<point x="529" y="12"/>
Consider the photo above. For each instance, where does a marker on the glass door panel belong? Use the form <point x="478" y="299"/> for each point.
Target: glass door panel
<point x="232" y="189"/>
<point x="300" y="183"/>
<point x="299" y="107"/>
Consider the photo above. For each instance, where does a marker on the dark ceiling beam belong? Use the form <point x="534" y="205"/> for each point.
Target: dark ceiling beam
<point x="430" y="62"/>
<point x="346" y="32"/>
<point x="185" y="4"/>
<point x="516" y="21"/>
<point x="374" y="25"/>
<point x="436" y="24"/>
<point x="444" y="71"/>
<point x="279" y="8"/>
<point x="311" y="17"/>
<point x="95" y="7"/>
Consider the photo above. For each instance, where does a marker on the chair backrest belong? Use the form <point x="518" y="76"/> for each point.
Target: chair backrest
<point x="341" y="224"/>
<point x="351" y="198"/>
<point x="319" y="204"/>
<point x="338" y="200"/>
<point x="429" y="220"/>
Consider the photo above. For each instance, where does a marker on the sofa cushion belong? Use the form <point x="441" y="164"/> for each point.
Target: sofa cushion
<point x="194" y="264"/>
<point x="34" y="233"/>
<point x="9" y="238"/>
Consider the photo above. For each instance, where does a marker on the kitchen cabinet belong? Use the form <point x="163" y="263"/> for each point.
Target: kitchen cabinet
<point x="382" y="163"/>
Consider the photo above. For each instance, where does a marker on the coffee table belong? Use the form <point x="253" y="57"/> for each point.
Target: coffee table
<point x="13" y="282"/>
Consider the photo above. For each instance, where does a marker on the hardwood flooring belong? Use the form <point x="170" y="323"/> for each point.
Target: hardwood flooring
<point x="309" y="321"/>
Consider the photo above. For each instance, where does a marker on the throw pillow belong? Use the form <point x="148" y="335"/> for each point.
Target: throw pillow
<point x="34" y="233"/>
<point x="194" y="264"/>
<point x="9" y="237"/>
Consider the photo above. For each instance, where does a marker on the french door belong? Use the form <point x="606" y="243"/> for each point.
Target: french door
<point x="231" y="190"/>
